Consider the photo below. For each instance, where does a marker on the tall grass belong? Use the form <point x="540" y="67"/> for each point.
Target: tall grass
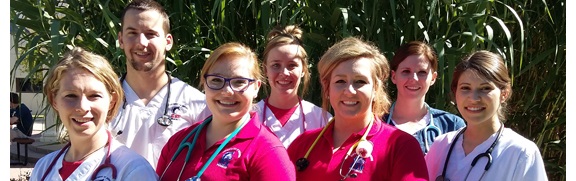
<point x="529" y="34"/>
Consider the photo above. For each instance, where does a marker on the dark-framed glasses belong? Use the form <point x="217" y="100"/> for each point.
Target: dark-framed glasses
<point x="238" y="84"/>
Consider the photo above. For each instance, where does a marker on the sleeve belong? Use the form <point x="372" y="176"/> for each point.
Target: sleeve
<point x="273" y="165"/>
<point x="409" y="163"/>
<point x="530" y="167"/>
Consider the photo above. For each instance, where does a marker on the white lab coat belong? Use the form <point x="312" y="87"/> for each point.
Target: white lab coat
<point x="293" y="128"/>
<point x="129" y="165"/>
<point x="514" y="158"/>
<point x="138" y="122"/>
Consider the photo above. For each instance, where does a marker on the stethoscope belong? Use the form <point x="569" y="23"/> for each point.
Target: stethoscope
<point x="190" y="145"/>
<point x="107" y="162"/>
<point x="264" y="118"/>
<point x="487" y="154"/>
<point x="430" y="127"/>
<point x="164" y="120"/>
<point x="302" y="163"/>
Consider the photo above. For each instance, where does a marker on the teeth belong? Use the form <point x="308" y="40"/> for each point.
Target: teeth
<point x="226" y="103"/>
<point x="141" y="53"/>
<point x="350" y="102"/>
<point x="83" y="120"/>
<point x="413" y="88"/>
<point x="474" y="108"/>
<point x="284" y="82"/>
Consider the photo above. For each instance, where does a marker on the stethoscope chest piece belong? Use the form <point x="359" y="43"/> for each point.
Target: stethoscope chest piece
<point x="302" y="164"/>
<point x="194" y="178"/>
<point x="164" y="120"/>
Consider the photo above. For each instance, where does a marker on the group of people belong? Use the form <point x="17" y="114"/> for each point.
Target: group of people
<point x="148" y="125"/>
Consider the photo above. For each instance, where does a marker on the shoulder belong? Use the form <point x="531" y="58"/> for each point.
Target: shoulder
<point x="183" y="87"/>
<point x="512" y="141"/>
<point x="258" y="107"/>
<point x="438" y="113"/>
<point x="313" y="108"/>
<point x="446" y="117"/>
<point x="46" y="159"/>
<point x="24" y="107"/>
<point x="124" y="155"/>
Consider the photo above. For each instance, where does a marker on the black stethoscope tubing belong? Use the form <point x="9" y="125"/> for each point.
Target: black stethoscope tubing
<point x="487" y="153"/>
<point x="107" y="161"/>
<point x="163" y="120"/>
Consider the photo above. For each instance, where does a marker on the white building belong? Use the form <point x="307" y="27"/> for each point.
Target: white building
<point x="32" y="96"/>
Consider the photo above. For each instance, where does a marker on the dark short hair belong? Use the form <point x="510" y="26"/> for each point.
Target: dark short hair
<point x="415" y="48"/>
<point x="14" y="98"/>
<point x="145" y="5"/>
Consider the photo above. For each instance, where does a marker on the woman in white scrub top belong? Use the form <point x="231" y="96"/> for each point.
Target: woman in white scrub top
<point x="485" y="149"/>
<point x="286" y="67"/>
<point x="85" y="92"/>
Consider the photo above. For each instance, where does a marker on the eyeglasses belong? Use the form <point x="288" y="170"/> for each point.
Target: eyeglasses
<point x="216" y="82"/>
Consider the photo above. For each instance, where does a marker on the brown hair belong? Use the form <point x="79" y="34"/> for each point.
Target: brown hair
<point x="145" y="5"/>
<point x="414" y="48"/>
<point x="491" y="67"/>
<point x="78" y="58"/>
<point x="352" y="48"/>
<point x="232" y="48"/>
<point x="286" y="35"/>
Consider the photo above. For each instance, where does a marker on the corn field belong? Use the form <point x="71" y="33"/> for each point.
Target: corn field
<point x="529" y="34"/>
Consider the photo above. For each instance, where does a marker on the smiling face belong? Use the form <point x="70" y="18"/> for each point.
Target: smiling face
<point x="82" y="102"/>
<point x="144" y="40"/>
<point x="226" y="104"/>
<point x="351" y="89"/>
<point x="284" y="70"/>
<point x="478" y="99"/>
<point x="413" y="77"/>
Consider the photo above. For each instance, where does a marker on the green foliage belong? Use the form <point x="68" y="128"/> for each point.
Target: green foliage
<point x="529" y="34"/>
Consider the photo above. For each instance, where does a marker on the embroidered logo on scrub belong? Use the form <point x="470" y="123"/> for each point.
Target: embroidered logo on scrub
<point x="176" y="110"/>
<point x="227" y="156"/>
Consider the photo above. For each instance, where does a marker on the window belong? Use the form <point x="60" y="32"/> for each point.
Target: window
<point x="27" y="86"/>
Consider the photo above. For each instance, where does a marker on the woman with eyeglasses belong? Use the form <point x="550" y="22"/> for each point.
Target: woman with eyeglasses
<point x="484" y="149"/>
<point x="414" y="68"/>
<point x="286" y="66"/>
<point x="356" y="144"/>
<point x="231" y="144"/>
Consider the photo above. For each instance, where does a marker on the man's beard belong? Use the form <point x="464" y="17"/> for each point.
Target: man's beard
<point x="146" y="66"/>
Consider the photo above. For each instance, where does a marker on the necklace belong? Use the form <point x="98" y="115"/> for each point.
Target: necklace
<point x="82" y="159"/>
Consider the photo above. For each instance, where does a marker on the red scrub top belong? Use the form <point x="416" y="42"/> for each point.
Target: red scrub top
<point x="396" y="156"/>
<point x="253" y="154"/>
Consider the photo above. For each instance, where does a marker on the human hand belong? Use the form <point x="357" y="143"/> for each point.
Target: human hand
<point x="13" y="120"/>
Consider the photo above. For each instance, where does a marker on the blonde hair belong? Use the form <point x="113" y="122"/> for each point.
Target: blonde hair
<point x="289" y="35"/>
<point x="352" y="48"/>
<point x="232" y="48"/>
<point x="97" y="65"/>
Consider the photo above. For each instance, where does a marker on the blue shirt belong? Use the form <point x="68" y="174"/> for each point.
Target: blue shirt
<point x="24" y="117"/>
<point x="444" y="121"/>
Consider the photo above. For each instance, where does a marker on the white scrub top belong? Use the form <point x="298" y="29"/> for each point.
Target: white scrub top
<point x="137" y="123"/>
<point x="129" y="166"/>
<point x="514" y="158"/>
<point x="293" y="128"/>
